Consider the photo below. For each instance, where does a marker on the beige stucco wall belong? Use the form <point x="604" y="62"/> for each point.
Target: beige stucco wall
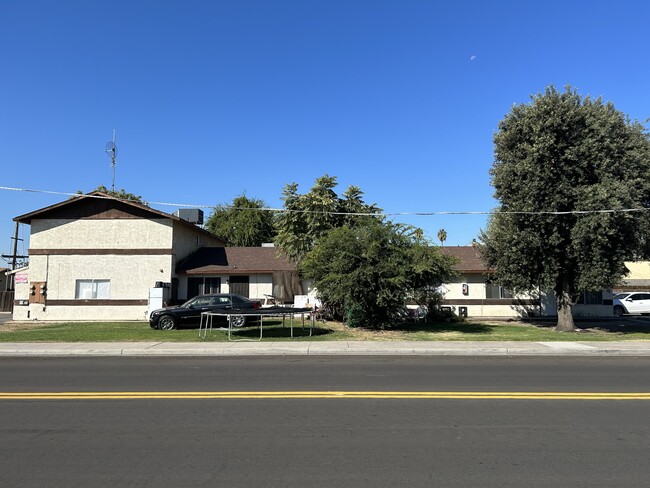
<point x="130" y="276"/>
<point x="550" y="307"/>
<point x="638" y="270"/>
<point x="21" y="294"/>
<point x="187" y="239"/>
<point x="101" y="234"/>
<point x="477" y="289"/>
<point x="500" y="311"/>
<point x="475" y="284"/>
<point x="258" y="286"/>
<point x="130" y="279"/>
<point x="91" y="313"/>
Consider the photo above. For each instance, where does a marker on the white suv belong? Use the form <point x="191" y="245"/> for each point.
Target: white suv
<point x="637" y="302"/>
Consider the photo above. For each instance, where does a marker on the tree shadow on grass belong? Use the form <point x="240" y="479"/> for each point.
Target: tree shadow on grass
<point x="617" y="328"/>
<point x="278" y="332"/>
<point x="622" y="325"/>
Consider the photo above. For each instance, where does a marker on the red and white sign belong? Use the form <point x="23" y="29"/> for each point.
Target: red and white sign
<point x="21" y="278"/>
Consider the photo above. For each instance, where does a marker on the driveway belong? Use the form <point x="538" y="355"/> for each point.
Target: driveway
<point x="626" y="323"/>
<point x="5" y="317"/>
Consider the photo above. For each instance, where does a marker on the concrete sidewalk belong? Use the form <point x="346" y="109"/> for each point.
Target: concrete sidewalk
<point x="326" y="348"/>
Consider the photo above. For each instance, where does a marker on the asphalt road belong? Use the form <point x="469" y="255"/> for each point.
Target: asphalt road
<point x="308" y="442"/>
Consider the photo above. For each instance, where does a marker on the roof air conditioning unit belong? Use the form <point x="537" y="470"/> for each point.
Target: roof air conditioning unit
<point x="193" y="215"/>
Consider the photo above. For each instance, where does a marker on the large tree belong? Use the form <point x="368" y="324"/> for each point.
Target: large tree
<point x="365" y="273"/>
<point x="243" y="222"/>
<point x="566" y="171"/>
<point x="310" y="216"/>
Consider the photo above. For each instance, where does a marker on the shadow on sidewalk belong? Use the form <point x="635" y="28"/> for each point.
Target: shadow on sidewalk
<point x="621" y="325"/>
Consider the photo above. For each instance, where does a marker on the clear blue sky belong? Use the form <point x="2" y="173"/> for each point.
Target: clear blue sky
<point x="214" y="98"/>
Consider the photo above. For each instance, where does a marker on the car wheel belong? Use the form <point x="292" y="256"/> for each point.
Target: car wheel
<point x="618" y="310"/>
<point x="166" y="322"/>
<point x="238" y="320"/>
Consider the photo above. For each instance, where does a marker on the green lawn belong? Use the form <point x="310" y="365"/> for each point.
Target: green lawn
<point x="140" y="331"/>
<point x="330" y="331"/>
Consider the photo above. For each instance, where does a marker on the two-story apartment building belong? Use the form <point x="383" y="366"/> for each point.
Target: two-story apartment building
<point x="95" y="257"/>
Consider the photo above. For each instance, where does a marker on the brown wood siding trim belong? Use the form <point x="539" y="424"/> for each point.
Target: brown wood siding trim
<point x="111" y="214"/>
<point x="96" y="205"/>
<point x="629" y="288"/>
<point x="98" y="302"/>
<point x="233" y="272"/>
<point x="490" y="301"/>
<point x="100" y="252"/>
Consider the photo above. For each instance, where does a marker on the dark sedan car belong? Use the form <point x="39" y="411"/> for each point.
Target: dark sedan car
<point x="189" y="314"/>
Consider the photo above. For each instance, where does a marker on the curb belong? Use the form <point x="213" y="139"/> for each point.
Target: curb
<point x="338" y="348"/>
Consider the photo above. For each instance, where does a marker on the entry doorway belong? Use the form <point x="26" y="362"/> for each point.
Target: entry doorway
<point x="240" y="285"/>
<point x="202" y="286"/>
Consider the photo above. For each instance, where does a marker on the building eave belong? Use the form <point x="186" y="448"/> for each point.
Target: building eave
<point x="28" y="217"/>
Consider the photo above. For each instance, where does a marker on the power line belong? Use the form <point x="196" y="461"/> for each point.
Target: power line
<point x="359" y="214"/>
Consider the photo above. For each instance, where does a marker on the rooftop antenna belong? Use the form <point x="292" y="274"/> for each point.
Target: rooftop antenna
<point x="111" y="151"/>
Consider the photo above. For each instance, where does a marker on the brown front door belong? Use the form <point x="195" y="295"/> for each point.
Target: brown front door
<point x="239" y="285"/>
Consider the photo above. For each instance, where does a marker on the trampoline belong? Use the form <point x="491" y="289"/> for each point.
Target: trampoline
<point x="303" y="314"/>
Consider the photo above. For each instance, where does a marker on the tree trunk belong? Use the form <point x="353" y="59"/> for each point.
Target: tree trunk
<point x="564" y="313"/>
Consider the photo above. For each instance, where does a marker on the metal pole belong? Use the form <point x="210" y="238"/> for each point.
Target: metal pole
<point x="15" y="254"/>
<point x="11" y="284"/>
<point x="113" y="157"/>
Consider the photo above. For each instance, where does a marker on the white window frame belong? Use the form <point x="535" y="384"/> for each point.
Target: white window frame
<point x="95" y="289"/>
<point x="503" y="293"/>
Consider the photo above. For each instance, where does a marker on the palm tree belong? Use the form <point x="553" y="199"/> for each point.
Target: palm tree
<point x="442" y="236"/>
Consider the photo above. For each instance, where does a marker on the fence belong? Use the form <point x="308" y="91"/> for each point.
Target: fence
<point x="6" y="301"/>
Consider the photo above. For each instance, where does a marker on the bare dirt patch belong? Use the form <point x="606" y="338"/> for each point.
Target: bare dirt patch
<point x="15" y="326"/>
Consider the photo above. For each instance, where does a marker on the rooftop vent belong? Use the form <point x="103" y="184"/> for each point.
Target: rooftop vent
<point x="193" y="215"/>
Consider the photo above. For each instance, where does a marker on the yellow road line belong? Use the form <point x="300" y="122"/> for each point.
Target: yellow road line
<point x="473" y="395"/>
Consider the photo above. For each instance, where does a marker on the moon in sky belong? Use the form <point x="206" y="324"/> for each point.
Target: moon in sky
<point x="472" y="58"/>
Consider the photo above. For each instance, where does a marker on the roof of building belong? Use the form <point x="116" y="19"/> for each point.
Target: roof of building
<point x="17" y="270"/>
<point x="235" y="260"/>
<point x="469" y="259"/>
<point x="97" y="204"/>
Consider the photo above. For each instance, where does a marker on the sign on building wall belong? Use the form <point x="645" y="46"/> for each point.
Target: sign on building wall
<point x="21" y="278"/>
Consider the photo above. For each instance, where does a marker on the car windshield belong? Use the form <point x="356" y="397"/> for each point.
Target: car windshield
<point x="196" y="301"/>
<point x="188" y="303"/>
<point x="206" y="301"/>
<point x="620" y="296"/>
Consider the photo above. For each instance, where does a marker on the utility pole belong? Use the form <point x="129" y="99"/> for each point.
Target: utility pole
<point x="111" y="151"/>
<point x="14" y="256"/>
